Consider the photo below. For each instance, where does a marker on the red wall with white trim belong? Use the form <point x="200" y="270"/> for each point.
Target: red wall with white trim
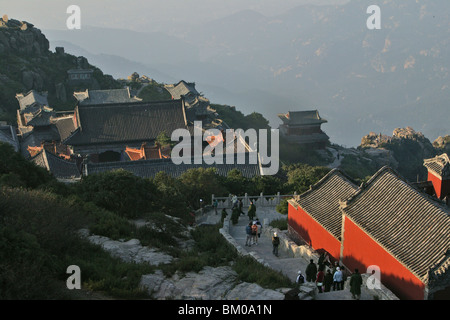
<point x="361" y="251"/>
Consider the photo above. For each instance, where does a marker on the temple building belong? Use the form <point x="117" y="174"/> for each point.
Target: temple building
<point x="80" y="76"/>
<point x="111" y="129"/>
<point x="315" y="216"/>
<point x="105" y="131"/>
<point x="304" y="128"/>
<point x="95" y="97"/>
<point x="40" y="126"/>
<point x="386" y="222"/>
<point x="62" y="169"/>
<point x="439" y="175"/>
<point x="184" y="90"/>
<point x="148" y="152"/>
<point x="404" y="232"/>
<point x="149" y="168"/>
<point x="197" y="106"/>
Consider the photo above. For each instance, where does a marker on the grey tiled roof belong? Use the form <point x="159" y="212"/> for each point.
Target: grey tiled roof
<point x="321" y="202"/>
<point x="410" y="225"/>
<point x="35" y="138"/>
<point x="301" y="117"/>
<point x="31" y="98"/>
<point x="65" y="127"/>
<point x="149" y="168"/>
<point x="91" y="97"/>
<point x="440" y="165"/>
<point x="58" y="167"/>
<point x="41" y="118"/>
<point x="181" y="89"/>
<point x="127" y="122"/>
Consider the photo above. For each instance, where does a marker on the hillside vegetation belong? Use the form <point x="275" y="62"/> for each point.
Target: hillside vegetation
<point x="41" y="219"/>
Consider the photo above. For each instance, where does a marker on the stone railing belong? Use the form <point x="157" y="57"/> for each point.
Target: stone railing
<point x="259" y="201"/>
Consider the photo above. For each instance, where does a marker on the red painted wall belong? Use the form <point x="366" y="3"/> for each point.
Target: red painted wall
<point x="441" y="187"/>
<point x="361" y="251"/>
<point x="312" y="232"/>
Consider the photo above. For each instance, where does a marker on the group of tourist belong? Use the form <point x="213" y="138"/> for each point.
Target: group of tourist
<point x="253" y="231"/>
<point x="328" y="277"/>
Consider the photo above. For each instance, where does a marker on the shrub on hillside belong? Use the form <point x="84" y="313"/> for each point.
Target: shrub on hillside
<point x="16" y="171"/>
<point x="119" y="191"/>
<point x="283" y="206"/>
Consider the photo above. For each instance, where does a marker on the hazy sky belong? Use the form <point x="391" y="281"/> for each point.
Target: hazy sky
<point x="148" y="15"/>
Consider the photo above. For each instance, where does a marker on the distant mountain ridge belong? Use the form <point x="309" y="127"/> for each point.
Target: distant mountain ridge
<point x="311" y="57"/>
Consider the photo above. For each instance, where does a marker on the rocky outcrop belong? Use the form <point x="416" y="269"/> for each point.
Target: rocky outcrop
<point x="209" y="284"/>
<point x="22" y="38"/>
<point x="32" y="80"/>
<point x="374" y="140"/>
<point x="442" y="143"/>
<point x="129" y="251"/>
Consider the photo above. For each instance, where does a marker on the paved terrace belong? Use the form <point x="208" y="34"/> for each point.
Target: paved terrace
<point x="287" y="262"/>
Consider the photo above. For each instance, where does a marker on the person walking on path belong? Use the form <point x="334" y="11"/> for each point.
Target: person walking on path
<point x="248" y="231"/>
<point x="319" y="280"/>
<point x="241" y="205"/>
<point x="275" y="244"/>
<point x="251" y="211"/>
<point x="321" y="260"/>
<point x="355" y="284"/>
<point x="338" y="280"/>
<point x="255" y="233"/>
<point x="215" y="204"/>
<point x="328" y="281"/>
<point x="224" y="214"/>
<point x="258" y="223"/>
<point x="311" y="271"/>
<point x="234" y="200"/>
<point x="300" y="278"/>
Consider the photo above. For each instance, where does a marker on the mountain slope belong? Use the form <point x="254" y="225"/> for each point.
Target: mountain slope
<point x="26" y="63"/>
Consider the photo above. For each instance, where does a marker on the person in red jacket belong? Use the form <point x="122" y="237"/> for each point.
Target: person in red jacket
<point x="320" y="278"/>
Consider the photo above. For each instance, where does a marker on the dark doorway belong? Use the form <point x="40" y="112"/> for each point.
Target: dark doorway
<point x="109" y="156"/>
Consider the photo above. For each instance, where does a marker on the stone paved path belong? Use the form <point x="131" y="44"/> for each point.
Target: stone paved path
<point x="284" y="263"/>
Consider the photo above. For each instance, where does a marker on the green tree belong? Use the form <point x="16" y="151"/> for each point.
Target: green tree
<point x="200" y="183"/>
<point x="235" y="182"/>
<point x="269" y="185"/>
<point x="256" y="120"/>
<point x="163" y="139"/>
<point x="172" y="199"/>
<point x="301" y="176"/>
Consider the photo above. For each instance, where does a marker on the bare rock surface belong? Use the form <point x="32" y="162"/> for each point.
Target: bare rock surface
<point x="209" y="284"/>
